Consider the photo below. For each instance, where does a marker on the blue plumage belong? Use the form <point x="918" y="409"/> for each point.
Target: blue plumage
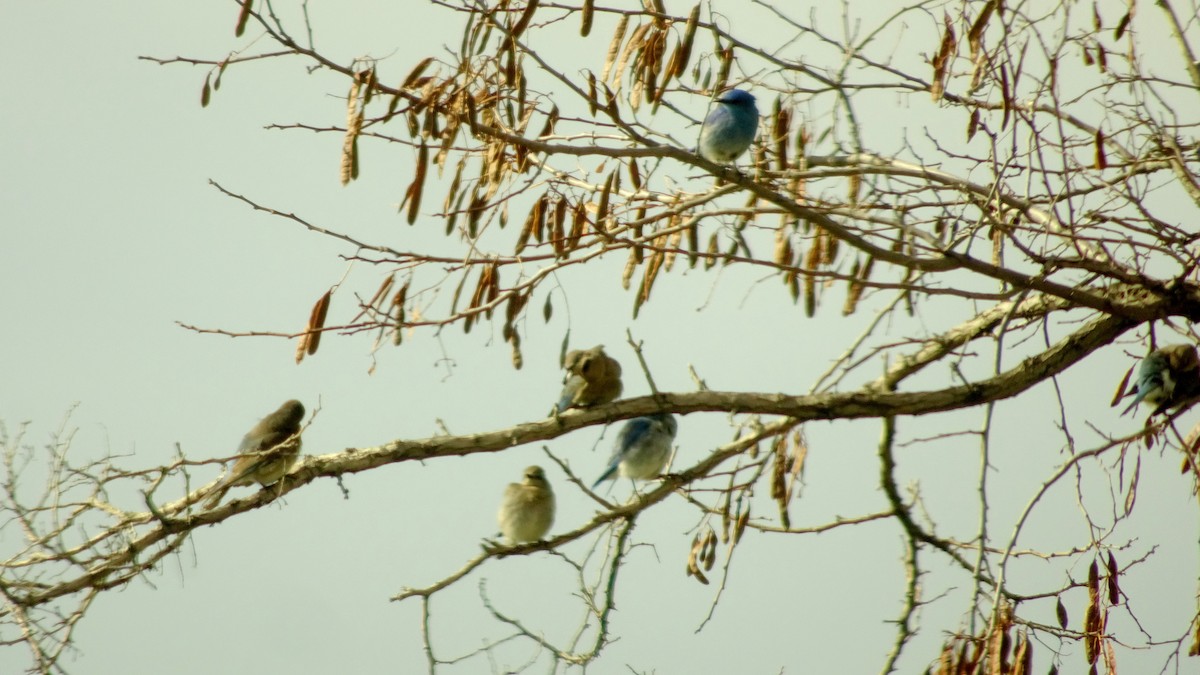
<point x="1154" y="382"/>
<point x="730" y="128"/>
<point x="1167" y="377"/>
<point x="642" y="448"/>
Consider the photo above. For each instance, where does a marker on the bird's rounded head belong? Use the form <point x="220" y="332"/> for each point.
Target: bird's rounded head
<point x="736" y="97"/>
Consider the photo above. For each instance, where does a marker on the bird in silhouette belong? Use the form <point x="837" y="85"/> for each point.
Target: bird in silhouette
<point x="267" y="451"/>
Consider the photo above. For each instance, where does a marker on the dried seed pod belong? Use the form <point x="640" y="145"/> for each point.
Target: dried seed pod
<point x="946" y="661"/>
<point x="854" y="290"/>
<point x="1091" y="627"/>
<point x="689" y="35"/>
<point x="578" y="225"/>
<point x="1093" y="583"/>
<point x="535" y="214"/>
<point x="398" y="304"/>
<point x="712" y="251"/>
<point x="937" y="84"/>
<point x="523" y="22"/>
<point x="710" y="553"/>
<point x="373" y="303"/>
<point x="812" y="261"/>
<point x="413" y="195"/>
<point x="585" y="21"/>
<point x="551" y="122"/>
<point x="740" y="527"/>
<point x="630" y="266"/>
<point x="316" y="322"/>
<point x="614" y="47"/>
<point x="243" y="17"/>
<point x="206" y="92"/>
<point x="517" y="359"/>
<point x="1120" y="393"/>
<point x="1114" y="590"/>
<point x="1022" y="657"/>
<point x="602" y="213"/>
<point x="693" y="569"/>
<point x="783" y="248"/>
<point x="781" y="125"/>
<point x="416" y="72"/>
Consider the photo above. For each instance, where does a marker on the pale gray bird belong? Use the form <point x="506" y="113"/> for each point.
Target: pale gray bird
<point x="268" y="450"/>
<point x="641" y="449"/>
<point x="527" y="510"/>
<point x="593" y="378"/>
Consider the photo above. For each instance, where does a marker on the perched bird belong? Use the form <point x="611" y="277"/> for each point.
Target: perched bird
<point x="593" y="378"/>
<point x="641" y="449"/>
<point x="1167" y="377"/>
<point x="268" y="450"/>
<point x="527" y="510"/>
<point x="729" y="129"/>
<point x="1185" y="363"/>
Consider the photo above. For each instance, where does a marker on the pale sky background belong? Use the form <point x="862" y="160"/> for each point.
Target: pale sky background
<point x="111" y="234"/>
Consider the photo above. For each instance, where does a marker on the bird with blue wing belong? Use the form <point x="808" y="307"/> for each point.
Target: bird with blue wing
<point x="527" y="509"/>
<point x="730" y="128"/>
<point x="642" y="448"/>
<point x="593" y="378"/>
<point x="1167" y="377"/>
<point x="267" y="451"/>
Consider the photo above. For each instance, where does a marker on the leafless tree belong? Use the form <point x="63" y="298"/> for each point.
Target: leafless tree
<point x="1027" y="201"/>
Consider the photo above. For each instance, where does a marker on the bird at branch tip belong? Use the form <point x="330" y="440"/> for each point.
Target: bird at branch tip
<point x="267" y="451"/>
<point x="730" y="128"/>
<point x="527" y="509"/>
<point x="592" y="378"/>
<point x="642" y="448"/>
<point x="1167" y="377"/>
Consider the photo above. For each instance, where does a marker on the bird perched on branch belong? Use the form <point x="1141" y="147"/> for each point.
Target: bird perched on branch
<point x="268" y="450"/>
<point x="527" y="510"/>
<point x="641" y="449"/>
<point x="1167" y="377"/>
<point x="593" y="378"/>
<point x="730" y="128"/>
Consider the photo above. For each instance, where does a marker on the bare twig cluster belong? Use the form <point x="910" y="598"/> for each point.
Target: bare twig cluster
<point x="1038" y="206"/>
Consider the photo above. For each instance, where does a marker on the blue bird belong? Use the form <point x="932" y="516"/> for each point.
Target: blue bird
<point x="730" y="128"/>
<point x="642" y="448"/>
<point x="1167" y="377"/>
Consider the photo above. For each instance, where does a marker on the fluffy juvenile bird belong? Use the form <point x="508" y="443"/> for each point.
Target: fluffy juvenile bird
<point x="593" y="378"/>
<point x="730" y="128"/>
<point x="641" y="449"/>
<point x="527" y="510"/>
<point x="268" y="450"/>
<point x="1167" y="377"/>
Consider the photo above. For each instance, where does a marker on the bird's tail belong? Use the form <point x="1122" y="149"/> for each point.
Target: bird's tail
<point x="215" y="497"/>
<point x="607" y="475"/>
<point x="1136" y="400"/>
